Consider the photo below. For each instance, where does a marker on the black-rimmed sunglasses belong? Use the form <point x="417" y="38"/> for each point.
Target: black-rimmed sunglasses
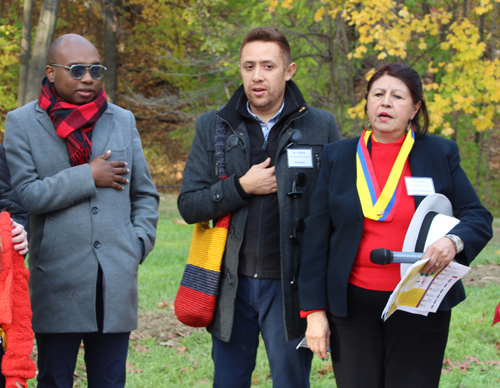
<point x="78" y="71"/>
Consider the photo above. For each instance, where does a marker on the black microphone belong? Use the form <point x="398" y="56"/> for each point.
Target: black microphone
<point x="385" y="256"/>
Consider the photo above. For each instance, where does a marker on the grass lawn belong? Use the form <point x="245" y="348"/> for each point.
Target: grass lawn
<point x="163" y="353"/>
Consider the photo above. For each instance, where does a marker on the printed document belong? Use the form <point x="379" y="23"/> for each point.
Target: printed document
<point x="420" y="294"/>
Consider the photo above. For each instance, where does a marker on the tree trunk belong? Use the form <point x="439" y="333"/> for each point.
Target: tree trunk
<point x="479" y="157"/>
<point x="331" y="66"/>
<point x="487" y="177"/>
<point x="68" y="18"/>
<point x="43" y="38"/>
<point x="455" y="126"/>
<point x="25" y="52"/>
<point x="350" y="73"/>
<point x="111" y="50"/>
<point x="490" y="133"/>
<point x="2" y="8"/>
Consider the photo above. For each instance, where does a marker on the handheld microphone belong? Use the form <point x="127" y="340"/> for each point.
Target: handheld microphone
<point x="385" y="256"/>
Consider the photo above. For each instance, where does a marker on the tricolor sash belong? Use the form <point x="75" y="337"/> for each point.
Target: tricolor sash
<point x="377" y="205"/>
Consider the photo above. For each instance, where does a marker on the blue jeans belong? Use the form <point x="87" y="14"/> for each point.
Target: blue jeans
<point x="259" y="308"/>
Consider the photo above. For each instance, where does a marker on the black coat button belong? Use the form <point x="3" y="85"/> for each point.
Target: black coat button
<point x="95" y="210"/>
<point x="97" y="244"/>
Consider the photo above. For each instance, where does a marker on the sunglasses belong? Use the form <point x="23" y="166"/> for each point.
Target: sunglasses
<point x="78" y="71"/>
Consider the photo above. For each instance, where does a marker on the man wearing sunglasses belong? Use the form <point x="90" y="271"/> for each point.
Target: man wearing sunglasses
<point x="78" y="165"/>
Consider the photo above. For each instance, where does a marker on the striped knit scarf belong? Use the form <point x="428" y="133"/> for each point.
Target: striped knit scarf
<point x="73" y="122"/>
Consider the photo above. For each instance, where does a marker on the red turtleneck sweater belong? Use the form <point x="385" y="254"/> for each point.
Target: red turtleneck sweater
<point x="389" y="235"/>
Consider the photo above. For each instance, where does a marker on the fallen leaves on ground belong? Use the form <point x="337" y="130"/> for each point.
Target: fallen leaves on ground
<point x="132" y="368"/>
<point x="142" y="348"/>
<point x="449" y="365"/>
<point x="162" y="304"/>
<point x="327" y="368"/>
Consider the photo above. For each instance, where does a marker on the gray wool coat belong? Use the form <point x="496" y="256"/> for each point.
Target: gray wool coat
<point x="204" y="197"/>
<point x="76" y="226"/>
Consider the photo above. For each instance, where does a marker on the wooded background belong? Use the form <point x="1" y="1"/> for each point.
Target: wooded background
<point x="169" y="61"/>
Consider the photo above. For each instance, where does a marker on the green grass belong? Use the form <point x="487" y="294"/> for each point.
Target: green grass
<point x="188" y="364"/>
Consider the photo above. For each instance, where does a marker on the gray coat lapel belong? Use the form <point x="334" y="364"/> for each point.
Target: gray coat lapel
<point x="44" y="119"/>
<point x="101" y="133"/>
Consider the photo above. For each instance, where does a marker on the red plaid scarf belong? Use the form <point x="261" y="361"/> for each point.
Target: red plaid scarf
<point x="72" y="122"/>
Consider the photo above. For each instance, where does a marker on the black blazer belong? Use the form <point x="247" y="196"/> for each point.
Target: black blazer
<point x="9" y="199"/>
<point x="335" y="222"/>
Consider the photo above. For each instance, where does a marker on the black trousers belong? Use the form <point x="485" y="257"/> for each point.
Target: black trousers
<point x="406" y="351"/>
<point x="105" y="355"/>
<point x="2" y="378"/>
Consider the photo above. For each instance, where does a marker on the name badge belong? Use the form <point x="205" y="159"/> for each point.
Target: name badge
<point x="419" y="186"/>
<point x="299" y="158"/>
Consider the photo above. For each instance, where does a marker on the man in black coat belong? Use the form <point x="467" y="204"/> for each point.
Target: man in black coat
<point x="272" y="157"/>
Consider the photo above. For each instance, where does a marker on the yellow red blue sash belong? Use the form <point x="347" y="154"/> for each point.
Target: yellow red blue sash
<point x="376" y="204"/>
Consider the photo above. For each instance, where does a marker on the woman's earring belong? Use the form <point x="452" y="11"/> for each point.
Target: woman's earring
<point x="368" y="125"/>
<point x="408" y="128"/>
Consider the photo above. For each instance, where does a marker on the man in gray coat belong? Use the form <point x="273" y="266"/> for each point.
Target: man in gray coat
<point x="78" y="165"/>
<point x="272" y="154"/>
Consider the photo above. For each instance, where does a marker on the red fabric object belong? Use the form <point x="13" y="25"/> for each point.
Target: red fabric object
<point x="10" y="382"/>
<point x="304" y="314"/>
<point x="15" y="314"/>
<point x="388" y="235"/>
<point x="72" y="122"/>
<point x="496" y="317"/>
<point x="197" y="307"/>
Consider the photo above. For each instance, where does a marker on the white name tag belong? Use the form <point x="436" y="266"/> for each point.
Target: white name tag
<point x="299" y="157"/>
<point x="419" y="186"/>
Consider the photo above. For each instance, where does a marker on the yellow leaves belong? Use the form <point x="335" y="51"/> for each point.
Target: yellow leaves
<point x="448" y="131"/>
<point x="441" y="103"/>
<point x="482" y="10"/>
<point x="318" y="16"/>
<point x="272" y="5"/>
<point x="449" y="68"/>
<point x="333" y="12"/>
<point x="358" y="52"/>
<point x="403" y="13"/>
<point x="388" y="30"/>
<point x="446" y="17"/>
<point x="370" y="73"/>
<point x="430" y="87"/>
<point x="358" y="111"/>
<point x="382" y="56"/>
<point x="431" y="69"/>
<point x="483" y="121"/>
<point x="483" y="7"/>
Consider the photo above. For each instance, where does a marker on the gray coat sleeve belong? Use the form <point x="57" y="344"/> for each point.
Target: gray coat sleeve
<point x="203" y="195"/>
<point x="334" y="130"/>
<point x="42" y="195"/>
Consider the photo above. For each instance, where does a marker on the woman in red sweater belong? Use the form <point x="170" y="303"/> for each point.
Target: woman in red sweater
<point x="16" y="335"/>
<point x="361" y="203"/>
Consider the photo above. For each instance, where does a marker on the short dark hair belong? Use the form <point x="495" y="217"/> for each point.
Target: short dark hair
<point x="412" y="80"/>
<point x="268" y="34"/>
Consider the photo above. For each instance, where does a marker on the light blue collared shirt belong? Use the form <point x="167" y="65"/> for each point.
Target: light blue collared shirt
<point x="267" y="128"/>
